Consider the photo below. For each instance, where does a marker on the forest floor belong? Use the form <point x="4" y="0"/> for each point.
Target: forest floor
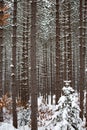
<point x="46" y="112"/>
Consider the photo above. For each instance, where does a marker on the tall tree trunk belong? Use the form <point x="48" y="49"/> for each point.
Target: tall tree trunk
<point x="6" y="89"/>
<point x="69" y="47"/>
<point x="51" y="73"/>
<point x="18" y="73"/>
<point x="24" y="73"/>
<point x="67" y="42"/>
<point x="33" y="66"/>
<point x="44" y="71"/>
<point x="1" y="52"/>
<point x="27" y="48"/>
<point x="58" y="89"/>
<point x="45" y="78"/>
<point x="38" y="77"/>
<point x="84" y="53"/>
<point x="13" y="75"/>
<point x="81" y="62"/>
<point x="1" y="45"/>
<point x="65" y="50"/>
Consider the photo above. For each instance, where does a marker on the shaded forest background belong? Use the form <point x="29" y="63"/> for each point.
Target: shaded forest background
<point x="42" y="45"/>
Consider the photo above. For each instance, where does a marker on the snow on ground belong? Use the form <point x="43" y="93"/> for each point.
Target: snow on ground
<point x="6" y="126"/>
<point x="47" y="113"/>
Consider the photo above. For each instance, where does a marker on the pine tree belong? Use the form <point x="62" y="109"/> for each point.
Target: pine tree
<point x="24" y="116"/>
<point x="67" y="113"/>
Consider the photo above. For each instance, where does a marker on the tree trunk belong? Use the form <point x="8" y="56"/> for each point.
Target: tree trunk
<point x="84" y="53"/>
<point x="51" y="73"/>
<point x="33" y="66"/>
<point x="1" y="53"/>
<point x="81" y="62"/>
<point x="65" y="50"/>
<point x="69" y="47"/>
<point x="6" y="89"/>
<point x="24" y="70"/>
<point x="58" y="88"/>
<point x="13" y="75"/>
<point x="1" y="47"/>
<point x="67" y="42"/>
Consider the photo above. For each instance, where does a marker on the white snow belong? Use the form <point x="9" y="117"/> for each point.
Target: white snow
<point x="47" y="118"/>
<point x="11" y="65"/>
<point x="6" y="126"/>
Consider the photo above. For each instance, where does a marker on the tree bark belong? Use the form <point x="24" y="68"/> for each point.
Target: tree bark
<point x="1" y="53"/>
<point x="58" y="88"/>
<point x="33" y="66"/>
<point x="81" y="62"/>
<point x="69" y="47"/>
<point x="13" y="75"/>
<point x="24" y="70"/>
<point x="84" y="53"/>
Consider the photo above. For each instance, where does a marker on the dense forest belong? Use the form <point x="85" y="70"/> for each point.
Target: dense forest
<point x="43" y="47"/>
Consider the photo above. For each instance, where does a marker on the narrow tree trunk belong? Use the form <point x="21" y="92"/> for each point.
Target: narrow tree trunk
<point x="58" y="89"/>
<point x="6" y="89"/>
<point x="1" y="52"/>
<point x="38" y="77"/>
<point x="69" y="47"/>
<point x="65" y="50"/>
<point x="81" y="63"/>
<point x="44" y="71"/>
<point x="13" y="75"/>
<point x="67" y="42"/>
<point x="18" y="74"/>
<point x="1" y="46"/>
<point x="33" y="67"/>
<point x="47" y="85"/>
<point x="51" y="74"/>
<point x="84" y="53"/>
<point x="24" y="70"/>
<point x="27" y="47"/>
